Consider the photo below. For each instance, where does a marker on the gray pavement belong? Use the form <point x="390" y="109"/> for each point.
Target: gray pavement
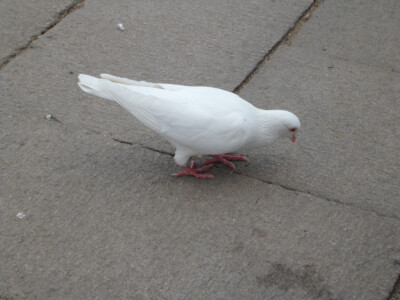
<point x="23" y="21"/>
<point x="315" y="220"/>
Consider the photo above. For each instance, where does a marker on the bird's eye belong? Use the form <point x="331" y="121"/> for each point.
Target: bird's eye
<point x="292" y="129"/>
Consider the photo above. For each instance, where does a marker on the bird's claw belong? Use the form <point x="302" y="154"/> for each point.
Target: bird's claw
<point x="192" y="171"/>
<point x="225" y="159"/>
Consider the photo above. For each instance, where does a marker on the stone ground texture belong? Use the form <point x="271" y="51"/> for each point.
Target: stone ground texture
<point x="103" y="219"/>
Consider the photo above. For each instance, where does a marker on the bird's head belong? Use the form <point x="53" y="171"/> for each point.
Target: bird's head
<point x="275" y="124"/>
<point x="289" y="124"/>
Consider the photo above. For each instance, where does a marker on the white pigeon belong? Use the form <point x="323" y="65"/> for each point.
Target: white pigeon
<point x="196" y="120"/>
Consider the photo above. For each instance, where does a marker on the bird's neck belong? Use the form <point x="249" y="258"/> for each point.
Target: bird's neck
<point x="267" y="127"/>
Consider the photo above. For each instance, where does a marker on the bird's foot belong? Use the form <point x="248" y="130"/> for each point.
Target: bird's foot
<point x="225" y="159"/>
<point x="192" y="171"/>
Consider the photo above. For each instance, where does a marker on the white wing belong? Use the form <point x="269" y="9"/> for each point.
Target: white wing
<point x="205" y="120"/>
<point x="200" y="128"/>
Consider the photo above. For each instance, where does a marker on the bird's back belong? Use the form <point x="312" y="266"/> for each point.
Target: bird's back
<point x="204" y="119"/>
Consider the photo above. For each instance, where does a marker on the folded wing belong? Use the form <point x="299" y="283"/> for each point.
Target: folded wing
<point x="203" y="126"/>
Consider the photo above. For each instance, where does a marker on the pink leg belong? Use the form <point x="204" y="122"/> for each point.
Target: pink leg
<point x="191" y="170"/>
<point x="225" y="159"/>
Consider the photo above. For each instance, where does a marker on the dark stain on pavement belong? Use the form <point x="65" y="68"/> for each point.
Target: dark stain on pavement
<point x="306" y="278"/>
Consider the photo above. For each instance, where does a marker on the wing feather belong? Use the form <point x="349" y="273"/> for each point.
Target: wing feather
<point x="206" y="133"/>
<point x="137" y="104"/>
<point x="202" y="125"/>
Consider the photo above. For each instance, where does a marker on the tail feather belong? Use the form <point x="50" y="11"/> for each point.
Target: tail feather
<point x="130" y="82"/>
<point x="139" y="103"/>
<point x="93" y="85"/>
<point x="90" y="85"/>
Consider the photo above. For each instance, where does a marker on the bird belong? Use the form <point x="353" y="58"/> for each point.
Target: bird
<point x="196" y="120"/>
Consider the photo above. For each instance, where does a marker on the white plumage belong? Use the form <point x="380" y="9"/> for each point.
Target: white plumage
<point x="196" y="120"/>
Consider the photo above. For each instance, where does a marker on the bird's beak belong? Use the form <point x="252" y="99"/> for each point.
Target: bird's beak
<point x="293" y="139"/>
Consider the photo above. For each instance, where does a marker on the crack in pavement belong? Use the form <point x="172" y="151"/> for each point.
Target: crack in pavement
<point x="143" y="146"/>
<point x="288" y="188"/>
<point x="395" y="292"/>
<point x="285" y="39"/>
<point x="315" y="195"/>
<point x="76" y="4"/>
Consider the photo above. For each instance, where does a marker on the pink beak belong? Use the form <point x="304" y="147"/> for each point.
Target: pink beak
<point x="293" y="138"/>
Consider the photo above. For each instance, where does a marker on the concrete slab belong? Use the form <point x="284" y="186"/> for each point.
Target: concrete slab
<point x="106" y="220"/>
<point x="21" y="20"/>
<point x="348" y="148"/>
<point x="364" y="32"/>
<point x="212" y="43"/>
